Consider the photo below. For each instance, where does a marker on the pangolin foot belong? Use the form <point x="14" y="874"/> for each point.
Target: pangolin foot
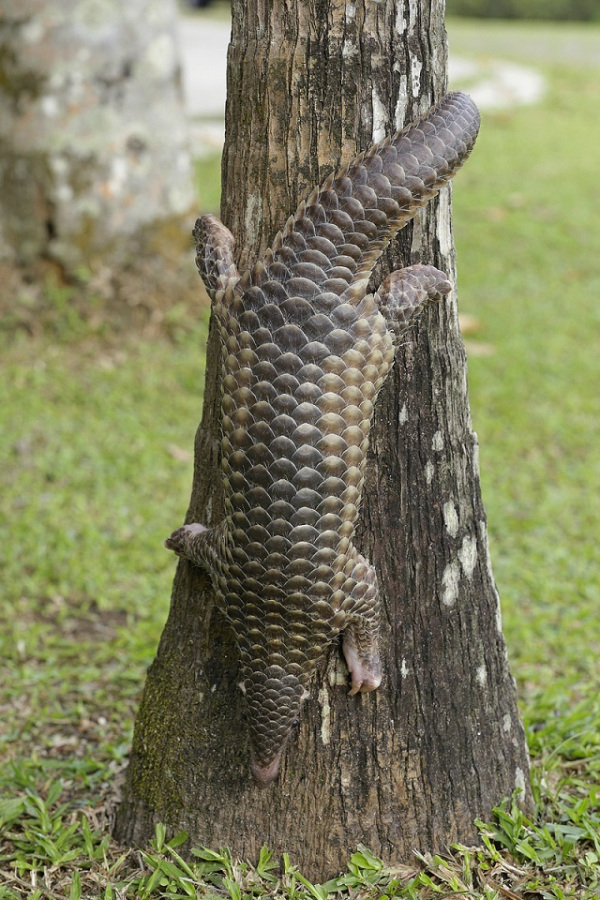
<point x="365" y="668"/>
<point x="364" y="679"/>
<point x="179" y="540"/>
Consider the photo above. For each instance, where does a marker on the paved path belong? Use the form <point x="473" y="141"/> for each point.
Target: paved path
<point x="203" y="47"/>
<point x="496" y="83"/>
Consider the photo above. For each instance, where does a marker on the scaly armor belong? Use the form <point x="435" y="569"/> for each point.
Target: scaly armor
<point x="305" y="351"/>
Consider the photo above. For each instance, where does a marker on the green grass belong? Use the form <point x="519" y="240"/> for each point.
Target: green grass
<point x="526" y="232"/>
<point x="538" y="43"/>
<point x="208" y="178"/>
<point x="96" y="468"/>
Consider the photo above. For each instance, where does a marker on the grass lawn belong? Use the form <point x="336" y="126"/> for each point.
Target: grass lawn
<point x="96" y="469"/>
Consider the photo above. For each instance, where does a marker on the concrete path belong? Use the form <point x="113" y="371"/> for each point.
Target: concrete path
<point x="496" y="83"/>
<point x="203" y="46"/>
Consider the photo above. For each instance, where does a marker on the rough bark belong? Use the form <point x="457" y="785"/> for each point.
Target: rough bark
<point x="94" y="161"/>
<point x="411" y="765"/>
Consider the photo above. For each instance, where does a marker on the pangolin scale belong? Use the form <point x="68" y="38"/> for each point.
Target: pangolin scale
<point x="305" y="351"/>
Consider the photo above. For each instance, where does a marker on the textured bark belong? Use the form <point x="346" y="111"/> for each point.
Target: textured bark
<point x="94" y="162"/>
<point x="411" y="765"/>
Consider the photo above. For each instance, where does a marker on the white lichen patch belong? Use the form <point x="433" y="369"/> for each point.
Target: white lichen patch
<point x="450" y="583"/>
<point x="404" y="670"/>
<point x="468" y="555"/>
<point x="349" y="50"/>
<point x="444" y="224"/>
<point x="475" y="457"/>
<point x="323" y="699"/>
<point x="400" y="103"/>
<point x="33" y="31"/>
<point x="118" y="176"/>
<point x="464" y="384"/>
<point x="380" y="117"/>
<point x="483" y="537"/>
<point x="418" y="244"/>
<point x="49" y="106"/>
<point x="450" y="518"/>
<point x="161" y="56"/>
<point x="429" y="471"/>
<point x="59" y="167"/>
<point x="438" y="441"/>
<point x="481" y="675"/>
<point x="416" y="67"/>
<point x="403" y="417"/>
<point x="350" y="11"/>
<point x="520" y="779"/>
<point x="64" y="192"/>
<point x="507" y="724"/>
<point x="498" y="615"/>
<point x="400" y="23"/>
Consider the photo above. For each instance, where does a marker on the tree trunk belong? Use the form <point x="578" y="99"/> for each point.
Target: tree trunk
<point x="414" y="763"/>
<point x="95" y="170"/>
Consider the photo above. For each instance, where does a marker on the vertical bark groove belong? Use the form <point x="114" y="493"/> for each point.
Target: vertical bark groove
<point x="440" y="742"/>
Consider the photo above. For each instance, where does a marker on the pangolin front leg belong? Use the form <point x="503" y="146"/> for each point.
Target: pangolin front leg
<point x="360" y="642"/>
<point x="189" y="541"/>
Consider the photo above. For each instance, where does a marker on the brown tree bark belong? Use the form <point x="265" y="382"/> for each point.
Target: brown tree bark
<point x="414" y="763"/>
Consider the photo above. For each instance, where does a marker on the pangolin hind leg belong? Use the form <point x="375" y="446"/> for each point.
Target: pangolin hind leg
<point x="360" y="642"/>
<point x="400" y="299"/>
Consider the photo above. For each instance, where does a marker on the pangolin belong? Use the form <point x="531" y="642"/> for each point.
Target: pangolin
<point x="305" y="351"/>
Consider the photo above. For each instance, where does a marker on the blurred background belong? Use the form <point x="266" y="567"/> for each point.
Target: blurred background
<point x="111" y="125"/>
